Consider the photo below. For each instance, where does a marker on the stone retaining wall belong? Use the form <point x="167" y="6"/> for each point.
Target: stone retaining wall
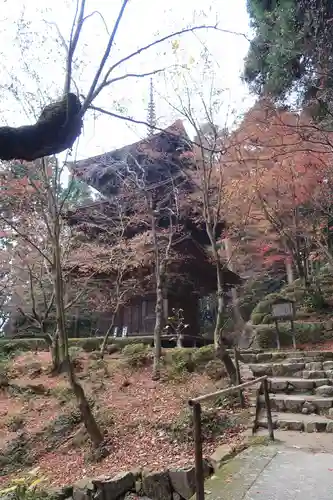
<point x="171" y="484"/>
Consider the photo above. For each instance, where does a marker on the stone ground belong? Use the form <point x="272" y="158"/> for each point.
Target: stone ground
<point x="274" y="472"/>
<point x="315" y="441"/>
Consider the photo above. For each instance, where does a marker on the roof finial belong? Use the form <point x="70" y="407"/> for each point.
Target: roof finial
<point x="151" y="117"/>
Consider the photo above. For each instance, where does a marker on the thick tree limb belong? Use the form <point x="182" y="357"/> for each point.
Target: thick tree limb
<point x="56" y="129"/>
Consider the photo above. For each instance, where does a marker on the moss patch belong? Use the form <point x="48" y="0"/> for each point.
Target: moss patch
<point x="305" y="332"/>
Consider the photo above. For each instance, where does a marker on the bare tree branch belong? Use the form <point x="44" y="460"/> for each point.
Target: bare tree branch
<point x="74" y="38"/>
<point x="92" y="91"/>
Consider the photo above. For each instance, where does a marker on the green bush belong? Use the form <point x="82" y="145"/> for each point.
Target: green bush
<point x="262" y="312"/>
<point x="256" y="289"/>
<point x="202" y="355"/>
<point x="17" y="454"/>
<point x="264" y="307"/>
<point x="25" y="487"/>
<point x="112" y="348"/>
<point x="14" y="346"/>
<point x="213" y="423"/>
<point x="63" y="394"/>
<point x="137" y="355"/>
<point x="15" y="423"/>
<point x="257" y="318"/>
<point x="267" y="319"/>
<point x="304" y="333"/>
<point x="316" y="298"/>
<point x="93" y="343"/>
<point x="90" y="344"/>
<point x="4" y="378"/>
<point x="180" y="360"/>
<point x="215" y="369"/>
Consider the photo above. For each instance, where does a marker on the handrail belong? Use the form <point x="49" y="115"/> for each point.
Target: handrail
<point x="195" y="404"/>
<point x="228" y="390"/>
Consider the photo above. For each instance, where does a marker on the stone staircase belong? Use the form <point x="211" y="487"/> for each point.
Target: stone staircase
<point x="300" y="386"/>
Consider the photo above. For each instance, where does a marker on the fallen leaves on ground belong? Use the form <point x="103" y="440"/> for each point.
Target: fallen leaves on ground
<point x="140" y="409"/>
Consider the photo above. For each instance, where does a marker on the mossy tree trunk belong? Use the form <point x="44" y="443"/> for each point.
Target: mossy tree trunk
<point x="221" y="349"/>
<point x="65" y="363"/>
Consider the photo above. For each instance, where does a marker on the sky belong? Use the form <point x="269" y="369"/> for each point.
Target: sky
<point x="33" y="55"/>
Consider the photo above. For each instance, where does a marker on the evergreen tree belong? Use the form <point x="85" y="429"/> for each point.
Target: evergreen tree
<point x="76" y="193"/>
<point x="292" y="51"/>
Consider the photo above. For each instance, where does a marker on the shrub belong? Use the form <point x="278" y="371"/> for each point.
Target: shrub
<point x="314" y="298"/>
<point x="267" y="319"/>
<point x="215" y="369"/>
<point x="264" y="307"/>
<point x="25" y="488"/>
<point x="137" y="355"/>
<point x="262" y="312"/>
<point x="90" y="344"/>
<point x="304" y="333"/>
<point x="202" y="355"/>
<point x="96" y="455"/>
<point x="17" y="454"/>
<point x="4" y="378"/>
<point x="63" y="394"/>
<point x="213" y="423"/>
<point x="14" y="346"/>
<point x="10" y="347"/>
<point x="15" y="423"/>
<point x="180" y="359"/>
<point x="60" y="427"/>
<point x="256" y="289"/>
<point x="257" y="318"/>
<point x="99" y="367"/>
<point x="74" y="351"/>
<point x="227" y="401"/>
<point x="112" y="348"/>
<point x="104" y="417"/>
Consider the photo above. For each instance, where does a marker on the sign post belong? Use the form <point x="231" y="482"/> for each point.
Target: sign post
<point x="284" y="309"/>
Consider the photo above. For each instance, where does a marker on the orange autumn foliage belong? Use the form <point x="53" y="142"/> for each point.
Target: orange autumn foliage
<point x="277" y="160"/>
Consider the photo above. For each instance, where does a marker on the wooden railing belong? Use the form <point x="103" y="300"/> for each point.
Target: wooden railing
<point x="195" y="404"/>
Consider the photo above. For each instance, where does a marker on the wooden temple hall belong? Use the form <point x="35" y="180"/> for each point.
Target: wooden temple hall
<point x="123" y="177"/>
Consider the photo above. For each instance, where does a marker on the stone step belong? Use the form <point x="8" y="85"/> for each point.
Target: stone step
<point x="299" y="403"/>
<point x="292" y="384"/>
<point x="319" y="374"/>
<point x="277" y="369"/>
<point x="297" y="422"/>
<point x="287" y="356"/>
<point x="298" y="370"/>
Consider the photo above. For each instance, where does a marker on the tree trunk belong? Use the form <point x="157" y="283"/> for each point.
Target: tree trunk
<point x="158" y="326"/>
<point x="289" y="270"/>
<point x="65" y="362"/>
<point x="84" y="407"/>
<point x="106" y="336"/>
<point x="239" y="321"/>
<point x="180" y="338"/>
<point x="221" y="350"/>
<point x="54" y="350"/>
<point x="52" y="342"/>
<point x="160" y="275"/>
<point x="59" y="296"/>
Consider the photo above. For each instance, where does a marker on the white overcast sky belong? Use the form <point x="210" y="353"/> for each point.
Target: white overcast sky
<point x="32" y="61"/>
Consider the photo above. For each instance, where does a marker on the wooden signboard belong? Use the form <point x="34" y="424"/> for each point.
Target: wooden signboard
<point x="283" y="309"/>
